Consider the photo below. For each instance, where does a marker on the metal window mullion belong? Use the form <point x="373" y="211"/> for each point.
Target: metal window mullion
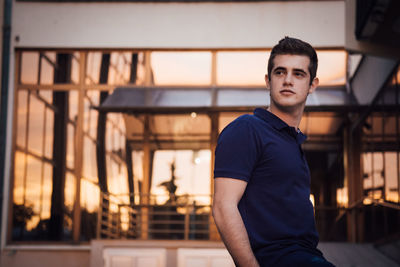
<point x="43" y="55"/>
<point x="33" y="154"/>
<point x="14" y="145"/>
<point x="47" y="104"/>
<point x="28" y="104"/>
<point x="383" y="151"/>
<point x="39" y="69"/>
<point x="42" y="163"/>
<point x="398" y="135"/>
<point x="372" y="159"/>
<point x="78" y="149"/>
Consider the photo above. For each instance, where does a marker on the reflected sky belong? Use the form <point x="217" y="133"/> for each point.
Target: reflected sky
<point x="235" y="68"/>
<point x="240" y="68"/>
<point x="181" y="68"/>
<point x="34" y="187"/>
<point x="192" y="173"/>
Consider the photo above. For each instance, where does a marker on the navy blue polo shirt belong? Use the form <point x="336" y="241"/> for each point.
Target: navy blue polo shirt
<point x="264" y="151"/>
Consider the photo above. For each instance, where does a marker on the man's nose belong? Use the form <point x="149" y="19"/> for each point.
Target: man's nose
<point x="288" y="78"/>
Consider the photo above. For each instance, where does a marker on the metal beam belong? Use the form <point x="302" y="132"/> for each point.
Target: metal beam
<point x="371" y="75"/>
<point x="5" y="70"/>
<point x="367" y="84"/>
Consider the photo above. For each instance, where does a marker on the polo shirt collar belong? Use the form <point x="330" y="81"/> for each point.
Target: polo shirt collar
<point x="279" y="124"/>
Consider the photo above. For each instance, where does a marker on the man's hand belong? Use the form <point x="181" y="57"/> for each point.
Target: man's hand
<point x="227" y="194"/>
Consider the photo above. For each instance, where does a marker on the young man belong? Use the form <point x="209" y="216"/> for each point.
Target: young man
<point x="262" y="182"/>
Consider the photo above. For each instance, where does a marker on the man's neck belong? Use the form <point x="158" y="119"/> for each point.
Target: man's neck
<point x="292" y="118"/>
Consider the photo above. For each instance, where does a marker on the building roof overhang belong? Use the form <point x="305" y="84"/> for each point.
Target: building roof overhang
<point x="160" y="100"/>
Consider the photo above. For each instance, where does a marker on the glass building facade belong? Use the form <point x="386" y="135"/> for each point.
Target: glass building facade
<point x="81" y="172"/>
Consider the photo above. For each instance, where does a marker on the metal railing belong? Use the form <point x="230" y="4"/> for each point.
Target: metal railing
<point x="179" y="218"/>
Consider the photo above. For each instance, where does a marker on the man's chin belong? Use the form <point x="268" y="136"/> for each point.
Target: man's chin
<point x="289" y="107"/>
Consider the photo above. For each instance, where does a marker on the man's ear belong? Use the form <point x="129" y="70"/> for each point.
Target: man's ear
<point x="313" y="85"/>
<point x="267" y="82"/>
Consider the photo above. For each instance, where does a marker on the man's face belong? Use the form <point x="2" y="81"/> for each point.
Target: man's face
<point x="289" y="83"/>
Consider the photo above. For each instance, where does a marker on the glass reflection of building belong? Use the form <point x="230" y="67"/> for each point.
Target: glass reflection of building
<point x="81" y="172"/>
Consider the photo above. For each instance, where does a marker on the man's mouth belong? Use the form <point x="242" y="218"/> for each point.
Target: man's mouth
<point x="286" y="91"/>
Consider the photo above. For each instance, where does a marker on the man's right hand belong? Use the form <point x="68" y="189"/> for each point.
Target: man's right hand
<point x="227" y="194"/>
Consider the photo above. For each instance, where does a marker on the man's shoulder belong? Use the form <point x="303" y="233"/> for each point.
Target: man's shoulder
<point x="247" y="123"/>
<point x="247" y="118"/>
<point x="250" y="120"/>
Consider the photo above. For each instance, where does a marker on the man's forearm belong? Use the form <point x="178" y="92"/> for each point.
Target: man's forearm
<point x="234" y="235"/>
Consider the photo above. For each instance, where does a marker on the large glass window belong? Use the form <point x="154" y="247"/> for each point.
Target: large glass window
<point x="181" y="68"/>
<point x="242" y="68"/>
<point x="33" y="166"/>
<point x="68" y="155"/>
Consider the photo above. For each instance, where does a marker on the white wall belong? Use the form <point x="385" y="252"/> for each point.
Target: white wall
<point x="177" y="25"/>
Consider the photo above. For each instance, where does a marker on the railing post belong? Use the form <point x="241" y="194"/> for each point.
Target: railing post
<point x="187" y="222"/>
<point x="100" y="216"/>
<point x="118" y="233"/>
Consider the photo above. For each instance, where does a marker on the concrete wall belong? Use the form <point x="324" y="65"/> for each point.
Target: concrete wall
<point x="177" y="25"/>
<point x="45" y="258"/>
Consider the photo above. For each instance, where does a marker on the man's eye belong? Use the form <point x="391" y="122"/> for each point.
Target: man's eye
<point x="299" y="74"/>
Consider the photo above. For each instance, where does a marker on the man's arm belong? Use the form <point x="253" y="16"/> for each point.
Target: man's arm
<point x="227" y="194"/>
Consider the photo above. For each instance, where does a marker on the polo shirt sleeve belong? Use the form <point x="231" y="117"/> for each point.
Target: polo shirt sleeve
<point x="237" y="151"/>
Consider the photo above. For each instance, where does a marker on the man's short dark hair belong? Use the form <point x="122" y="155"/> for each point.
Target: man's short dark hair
<point x="293" y="46"/>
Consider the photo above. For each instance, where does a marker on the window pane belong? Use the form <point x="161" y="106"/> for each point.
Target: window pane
<point x="93" y="67"/>
<point x="134" y="126"/>
<point x="93" y="123"/>
<point x="75" y="68"/>
<point x="181" y="126"/>
<point x="89" y="160"/>
<point x="242" y="68"/>
<point x="86" y="115"/>
<point x="119" y="71"/>
<point x="19" y="178"/>
<point x="47" y="191"/>
<point x="331" y="67"/>
<point x="181" y="68"/>
<point x="137" y="166"/>
<point x="90" y="200"/>
<point x="113" y="72"/>
<point x="48" y="146"/>
<point x="33" y="189"/>
<point x="29" y="67"/>
<point x="21" y="117"/>
<point x="391" y="176"/>
<point x="47" y="95"/>
<point x="69" y="191"/>
<point x="192" y="174"/>
<point x="117" y="178"/>
<point x="90" y="196"/>
<point x="36" y="122"/>
<point x="94" y="97"/>
<point x="109" y="135"/>
<point x="47" y="69"/>
<point x="70" y="146"/>
<point x="373" y="170"/>
<point x="73" y="105"/>
<point x="140" y="75"/>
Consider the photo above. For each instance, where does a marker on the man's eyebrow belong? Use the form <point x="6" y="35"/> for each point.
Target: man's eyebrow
<point x="279" y="68"/>
<point x="300" y="70"/>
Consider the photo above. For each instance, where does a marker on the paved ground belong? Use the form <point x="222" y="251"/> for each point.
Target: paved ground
<point x="355" y="255"/>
